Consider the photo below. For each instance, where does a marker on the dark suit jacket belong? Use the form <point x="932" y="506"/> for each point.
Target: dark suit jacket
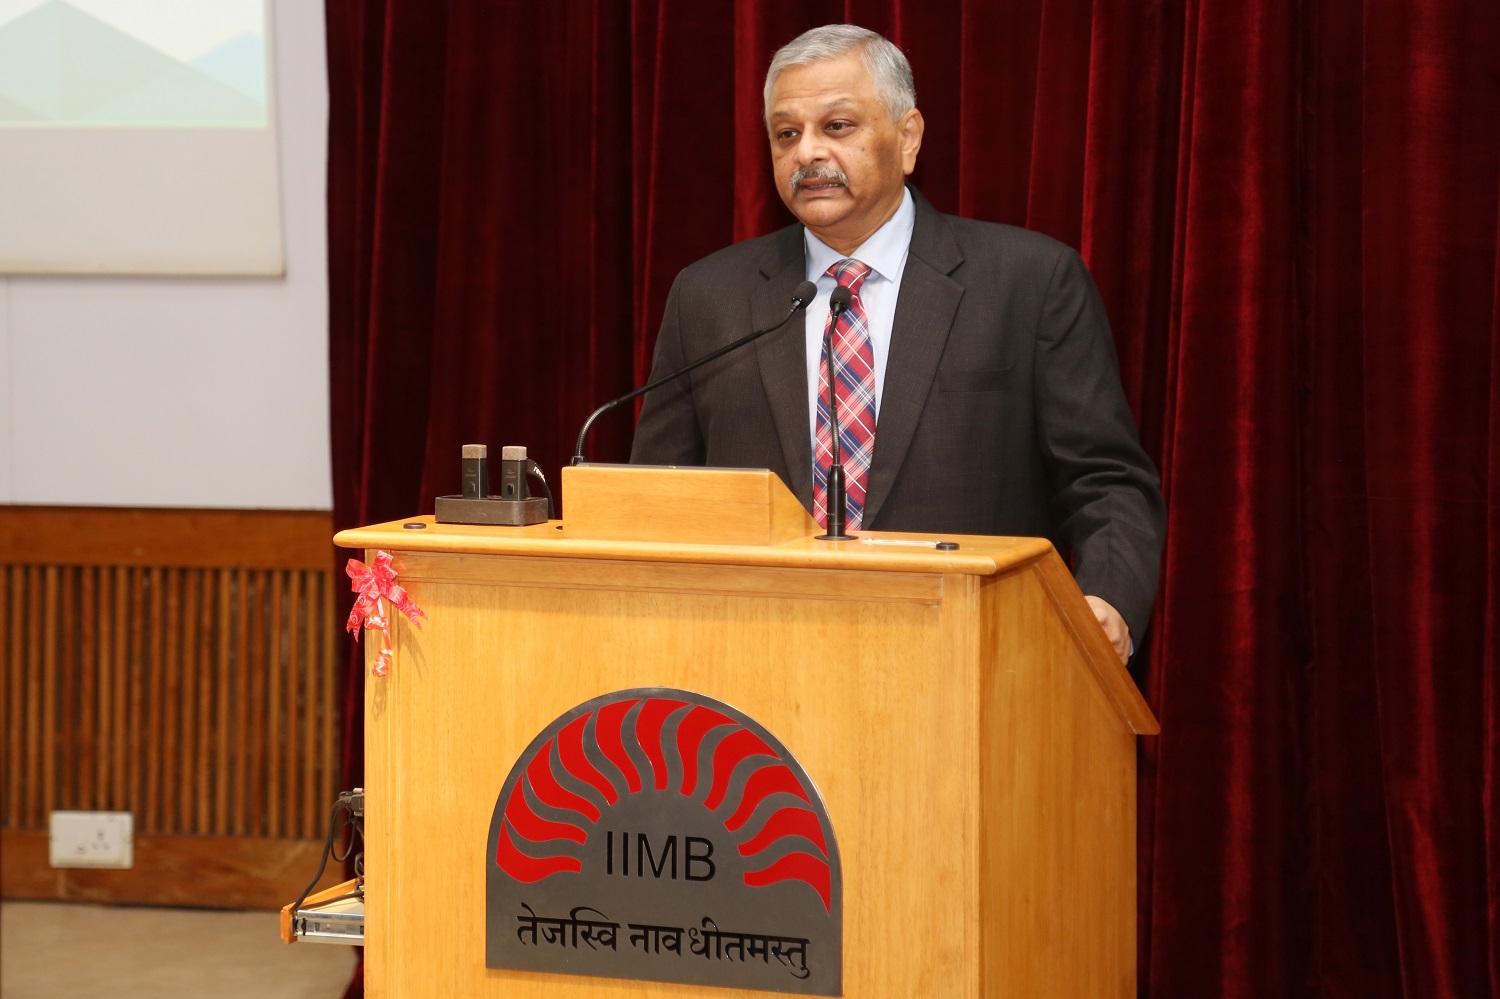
<point x="1001" y="413"/>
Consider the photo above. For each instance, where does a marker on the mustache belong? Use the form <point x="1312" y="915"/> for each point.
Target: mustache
<point x="826" y="171"/>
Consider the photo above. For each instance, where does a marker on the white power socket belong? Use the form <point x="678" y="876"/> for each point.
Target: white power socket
<point x="91" y="839"/>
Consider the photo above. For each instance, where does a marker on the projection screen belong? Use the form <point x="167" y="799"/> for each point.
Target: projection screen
<point x="138" y="137"/>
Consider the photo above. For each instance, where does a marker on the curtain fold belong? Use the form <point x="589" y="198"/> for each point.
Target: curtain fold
<point x="1232" y="488"/>
<point x="1292" y="211"/>
<point x="1491" y="668"/>
<point x="1430" y="164"/>
<point x="1349" y="831"/>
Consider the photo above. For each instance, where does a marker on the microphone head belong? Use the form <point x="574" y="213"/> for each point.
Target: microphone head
<point x="840" y="299"/>
<point x="806" y="292"/>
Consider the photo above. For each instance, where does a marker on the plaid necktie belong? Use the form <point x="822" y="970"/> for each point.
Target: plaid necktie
<point x="854" y="371"/>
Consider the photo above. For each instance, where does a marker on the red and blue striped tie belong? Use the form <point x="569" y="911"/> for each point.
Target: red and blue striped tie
<point x="854" y="372"/>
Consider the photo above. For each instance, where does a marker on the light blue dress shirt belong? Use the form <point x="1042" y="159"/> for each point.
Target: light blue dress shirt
<point x="885" y="253"/>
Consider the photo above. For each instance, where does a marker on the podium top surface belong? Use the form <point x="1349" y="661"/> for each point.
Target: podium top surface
<point x="977" y="555"/>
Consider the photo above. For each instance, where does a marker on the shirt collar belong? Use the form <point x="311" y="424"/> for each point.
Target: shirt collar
<point x="884" y="252"/>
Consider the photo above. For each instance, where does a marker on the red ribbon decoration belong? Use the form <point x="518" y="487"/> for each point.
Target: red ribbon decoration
<point x="374" y="585"/>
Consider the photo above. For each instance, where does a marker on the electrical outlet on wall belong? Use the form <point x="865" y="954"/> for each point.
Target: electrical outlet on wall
<point x="91" y="839"/>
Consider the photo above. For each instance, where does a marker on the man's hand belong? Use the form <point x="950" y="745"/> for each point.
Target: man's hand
<point x="1113" y="625"/>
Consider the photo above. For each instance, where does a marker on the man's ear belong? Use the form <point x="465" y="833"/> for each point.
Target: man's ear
<point x="911" y="127"/>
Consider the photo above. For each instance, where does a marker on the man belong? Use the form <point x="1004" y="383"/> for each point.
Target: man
<point x="978" y="389"/>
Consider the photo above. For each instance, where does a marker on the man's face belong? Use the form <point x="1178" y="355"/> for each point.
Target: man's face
<point x="840" y="161"/>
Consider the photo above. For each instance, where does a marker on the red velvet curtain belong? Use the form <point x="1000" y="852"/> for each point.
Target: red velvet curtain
<point x="1292" y="209"/>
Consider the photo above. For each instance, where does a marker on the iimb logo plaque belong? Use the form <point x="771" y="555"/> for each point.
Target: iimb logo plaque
<point x="660" y="835"/>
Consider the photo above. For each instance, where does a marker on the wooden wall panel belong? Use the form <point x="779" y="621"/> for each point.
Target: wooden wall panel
<point x="185" y="675"/>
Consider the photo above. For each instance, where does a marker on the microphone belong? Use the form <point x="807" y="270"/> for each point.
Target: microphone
<point x="804" y="293"/>
<point x="834" y="494"/>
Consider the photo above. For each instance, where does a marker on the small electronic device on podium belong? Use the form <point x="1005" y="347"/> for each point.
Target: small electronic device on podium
<point x="513" y="507"/>
<point x="673" y="745"/>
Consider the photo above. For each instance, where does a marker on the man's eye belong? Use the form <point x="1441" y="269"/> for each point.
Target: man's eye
<point x="786" y="133"/>
<point x="838" y="126"/>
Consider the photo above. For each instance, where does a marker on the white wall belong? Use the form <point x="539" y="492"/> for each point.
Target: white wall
<point x="180" y="391"/>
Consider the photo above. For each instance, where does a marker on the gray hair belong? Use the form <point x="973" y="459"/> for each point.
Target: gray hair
<point x="886" y="64"/>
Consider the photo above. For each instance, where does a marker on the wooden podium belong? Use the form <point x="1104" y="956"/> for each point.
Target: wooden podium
<point x="968" y="725"/>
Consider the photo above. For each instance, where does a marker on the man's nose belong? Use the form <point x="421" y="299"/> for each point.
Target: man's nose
<point x="811" y="147"/>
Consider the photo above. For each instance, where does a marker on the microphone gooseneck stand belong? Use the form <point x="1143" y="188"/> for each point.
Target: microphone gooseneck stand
<point x="804" y="293"/>
<point x="835" y="497"/>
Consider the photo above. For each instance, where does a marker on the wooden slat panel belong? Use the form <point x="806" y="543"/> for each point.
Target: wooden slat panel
<point x="34" y="749"/>
<point x="238" y="745"/>
<point x="255" y="732"/>
<point x="21" y="678"/>
<point x="202" y="699"/>
<point x="119" y="748"/>
<point x="104" y="670"/>
<point x="150" y="807"/>
<point x="203" y="783"/>
<point x="88" y="688"/>
<point x="192" y="666"/>
<point x="295" y="670"/>
<point x="135" y="705"/>
<point x="50" y="682"/>
<point x="224" y="683"/>
<point x="309" y="741"/>
<point x="172" y="786"/>
<point x="15" y="699"/>
<point x="329" y="713"/>
<point x="5" y="695"/>
<point x="275" y="671"/>
<point x="66" y="734"/>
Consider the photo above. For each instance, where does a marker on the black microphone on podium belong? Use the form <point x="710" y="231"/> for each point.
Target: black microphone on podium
<point x="838" y="302"/>
<point x="804" y="293"/>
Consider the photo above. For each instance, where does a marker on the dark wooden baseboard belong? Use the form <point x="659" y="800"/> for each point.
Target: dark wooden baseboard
<point x="219" y="872"/>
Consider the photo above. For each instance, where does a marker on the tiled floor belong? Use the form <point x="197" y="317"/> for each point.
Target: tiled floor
<point x="51" y="950"/>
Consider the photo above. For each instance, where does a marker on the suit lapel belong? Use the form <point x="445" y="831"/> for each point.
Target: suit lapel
<point x="925" y="309"/>
<point x="783" y="357"/>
